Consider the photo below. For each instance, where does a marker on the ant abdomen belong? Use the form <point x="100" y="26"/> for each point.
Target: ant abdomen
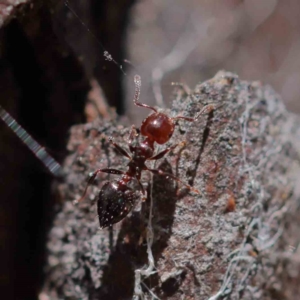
<point x="158" y="127"/>
<point x="115" y="202"/>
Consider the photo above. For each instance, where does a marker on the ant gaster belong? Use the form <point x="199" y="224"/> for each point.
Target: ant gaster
<point x="117" y="198"/>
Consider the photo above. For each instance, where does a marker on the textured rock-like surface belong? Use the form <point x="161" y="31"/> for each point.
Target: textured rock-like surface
<point x="233" y="241"/>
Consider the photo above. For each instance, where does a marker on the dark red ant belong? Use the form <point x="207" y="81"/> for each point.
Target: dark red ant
<point x="117" y="198"/>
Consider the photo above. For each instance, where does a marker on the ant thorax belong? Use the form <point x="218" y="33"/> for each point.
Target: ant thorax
<point x="140" y="152"/>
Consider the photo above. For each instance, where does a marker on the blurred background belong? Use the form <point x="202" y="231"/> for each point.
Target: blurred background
<point x="189" y="41"/>
<point x="53" y="74"/>
<point x="258" y="40"/>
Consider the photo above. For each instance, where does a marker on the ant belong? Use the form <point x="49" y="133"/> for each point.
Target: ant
<point x="116" y="199"/>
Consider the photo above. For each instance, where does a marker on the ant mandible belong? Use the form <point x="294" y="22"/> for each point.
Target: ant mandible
<point x="117" y="198"/>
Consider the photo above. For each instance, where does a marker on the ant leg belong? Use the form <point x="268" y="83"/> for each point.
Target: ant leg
<point x="92" y="178"/>
<point x="164" y="152"/>
<point x="162" y="173"/>
<point x="142" y="189"/>
<point x="133" y="134"/>
<point x="183" y="86"/>
<point x="207" y="108"/>
<point x="119" y="148"/>
<point x="111" y="171"/>
<point x="138" y="84"/>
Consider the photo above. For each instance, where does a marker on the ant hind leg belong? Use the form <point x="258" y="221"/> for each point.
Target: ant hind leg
<point x="92" y="179"/>
<point x="164" y="152"/>
<point x="207" y="108"/>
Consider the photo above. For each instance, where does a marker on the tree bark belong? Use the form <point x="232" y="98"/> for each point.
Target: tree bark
<point x="238" y="239"/>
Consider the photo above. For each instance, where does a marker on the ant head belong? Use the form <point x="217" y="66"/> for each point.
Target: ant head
<point x="158" y="127"/>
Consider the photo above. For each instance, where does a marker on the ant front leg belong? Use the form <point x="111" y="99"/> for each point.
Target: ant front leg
<point x="93" y="177"/>
<point x="132" y="136"/>
<point x="162" y="173"/>
<point x="164" y="152"/>
<point x="183" y="86"/>
<point x="207" y="108"/>
<point x="142" y="189"/>
<point x="119" y="148"/>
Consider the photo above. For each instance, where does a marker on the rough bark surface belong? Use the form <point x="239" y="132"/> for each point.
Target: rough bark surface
<point x="237" y="240"/>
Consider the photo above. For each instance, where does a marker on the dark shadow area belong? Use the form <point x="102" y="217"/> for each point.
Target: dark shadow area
<point x="46" y="94"/>
<point x="203" y="143"/>
<point x="109" y="19"/>
<point x="91" y="28"/>
<point x="172" y="284"/>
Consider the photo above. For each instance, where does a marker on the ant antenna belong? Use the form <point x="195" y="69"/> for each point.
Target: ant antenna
<point x="185" y="44"/>
<point x="105" y="53"/>
<point x="138" y="84"/>
<point x="50" y="163"/>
